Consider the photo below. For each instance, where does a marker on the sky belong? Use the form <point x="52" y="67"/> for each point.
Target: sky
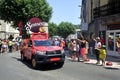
<point x="66" y="11"/>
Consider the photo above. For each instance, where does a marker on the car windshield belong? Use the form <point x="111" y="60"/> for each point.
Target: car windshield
<point x="42" y="43"/>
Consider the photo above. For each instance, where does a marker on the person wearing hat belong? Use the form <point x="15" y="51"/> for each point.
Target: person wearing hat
<point x="97" y="48"/>
<point x="103" y="54"/>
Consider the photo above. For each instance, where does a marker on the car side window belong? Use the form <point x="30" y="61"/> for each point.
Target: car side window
<point x="30" y="43"/>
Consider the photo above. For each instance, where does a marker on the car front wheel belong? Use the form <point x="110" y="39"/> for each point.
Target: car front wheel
<point x="60" y="64"/>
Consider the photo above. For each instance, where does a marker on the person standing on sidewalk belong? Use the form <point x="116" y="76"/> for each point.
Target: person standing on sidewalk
<point x="4" y="46"/>
<point x="118" y="46"/>
<point x="62" y="44"/>
<point x="91" y="46"/>
<point x="70" y="49"/>
<point x="0" y="45"/>
<point x="10" y="44"/>
<point x="97" y="48"/>
<point x="74" y="50"/>
<point x="83" y="49"/>
<point x="103" y="53"/>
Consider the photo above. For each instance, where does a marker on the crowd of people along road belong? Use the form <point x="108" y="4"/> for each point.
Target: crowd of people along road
<point x="81" y="47"/>
<point x="77" y="48"/>
<point x="8" y="45"/>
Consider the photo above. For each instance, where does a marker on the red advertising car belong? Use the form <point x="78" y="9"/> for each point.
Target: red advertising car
<point x="40" y="50"/>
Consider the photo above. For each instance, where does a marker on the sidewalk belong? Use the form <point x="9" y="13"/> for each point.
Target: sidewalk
<point x="115" y="61"/>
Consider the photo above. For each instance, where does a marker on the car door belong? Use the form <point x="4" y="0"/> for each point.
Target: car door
<point x="28" y="50"/>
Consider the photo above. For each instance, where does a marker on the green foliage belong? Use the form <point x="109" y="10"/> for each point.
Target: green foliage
<point x="23" y="10"/>
<point x="52" y="27"/>
<point x="65" y="28"/>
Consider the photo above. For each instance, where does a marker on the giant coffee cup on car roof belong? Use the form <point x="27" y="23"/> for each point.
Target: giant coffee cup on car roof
<point x="35" y="24"/>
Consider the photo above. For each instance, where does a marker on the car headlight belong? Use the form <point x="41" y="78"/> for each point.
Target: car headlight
<point x="41" y="52"/>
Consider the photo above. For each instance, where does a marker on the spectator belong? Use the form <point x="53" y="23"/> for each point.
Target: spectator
<point x="97" y="48"/>
<point x="0" y="45"/>
<point x="10" y="44"/>
<point x="118" y="45"/>
<point x="74" y="50"/>
<point x="62" y="43"/>
<point x="91" y="46"/>
<point x="4" y="46"/>
<point x="70" y="48"/>
<point x="83" y="48"/>
<point x="102" y="40"/>
<point x="103" y="54"/>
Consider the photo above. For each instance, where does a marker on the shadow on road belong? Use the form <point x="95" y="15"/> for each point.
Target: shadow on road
<point x="111" y="68"/>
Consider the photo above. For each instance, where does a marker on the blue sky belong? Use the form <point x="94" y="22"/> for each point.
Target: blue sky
<point x="65" y="10"/>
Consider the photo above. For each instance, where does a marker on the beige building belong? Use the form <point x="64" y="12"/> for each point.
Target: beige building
<point x="103" y="19"/>
<point x="6" y="30"/>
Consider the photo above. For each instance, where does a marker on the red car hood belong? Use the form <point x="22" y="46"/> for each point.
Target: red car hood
<point x="48" y="48"/>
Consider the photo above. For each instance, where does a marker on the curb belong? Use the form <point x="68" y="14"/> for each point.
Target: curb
<point x="115" y="65"/>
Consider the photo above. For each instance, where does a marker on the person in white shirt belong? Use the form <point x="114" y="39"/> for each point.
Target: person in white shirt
<point x="97" y="48"/>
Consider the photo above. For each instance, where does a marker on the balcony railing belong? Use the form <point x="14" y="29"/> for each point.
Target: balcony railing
<point x="109" y="9"/>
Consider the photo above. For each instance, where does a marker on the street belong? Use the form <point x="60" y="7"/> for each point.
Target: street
<point x="12" y="68"/>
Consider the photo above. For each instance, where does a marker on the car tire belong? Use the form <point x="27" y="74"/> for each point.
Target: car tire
<point x="60" y="64"/>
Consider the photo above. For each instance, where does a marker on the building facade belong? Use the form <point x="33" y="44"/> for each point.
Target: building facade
<point x="103" y="19"/>
<point x="6" y="30"/>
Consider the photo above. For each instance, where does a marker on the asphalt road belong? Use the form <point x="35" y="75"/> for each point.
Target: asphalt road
<point x="12" y="68"/>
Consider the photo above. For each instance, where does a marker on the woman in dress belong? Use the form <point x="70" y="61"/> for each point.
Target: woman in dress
<point x="83" y="49"/>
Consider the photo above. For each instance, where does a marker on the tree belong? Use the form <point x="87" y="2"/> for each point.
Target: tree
<point x="52" y="28"/>
<point x="65" y="28"/>
<point x="22" y="10"/>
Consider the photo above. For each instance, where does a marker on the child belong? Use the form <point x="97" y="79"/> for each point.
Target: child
<point x="103" y="54"/>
